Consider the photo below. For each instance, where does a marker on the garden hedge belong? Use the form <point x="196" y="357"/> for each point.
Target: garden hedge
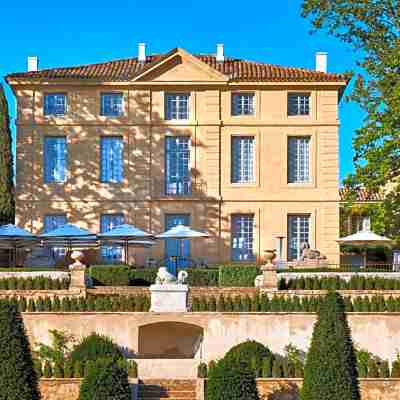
<point x="356" y="282"/>
<point x="35" y="283"/>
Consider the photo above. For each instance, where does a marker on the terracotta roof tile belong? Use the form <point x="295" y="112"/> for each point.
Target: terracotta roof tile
<point x="235" y="69"/>
<point x="361" y="195"/>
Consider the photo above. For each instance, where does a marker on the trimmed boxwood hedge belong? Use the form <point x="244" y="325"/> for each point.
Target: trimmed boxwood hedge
<point x="356" y="282"/>
<point x="238" y="276"/>
<point x="35" y="283"/>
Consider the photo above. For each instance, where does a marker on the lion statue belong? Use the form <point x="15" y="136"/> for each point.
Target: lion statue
<point x="310" y="254"/>
<point x="164" y="277"/>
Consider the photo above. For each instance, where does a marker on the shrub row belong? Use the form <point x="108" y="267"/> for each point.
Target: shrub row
<point x="36" y="283"/>
<point x="262" y="303"/>
<point x="356" y="282"/>
<point x="223" y="275"/>
<point x="134" y="303"/>
<point x="77" y="369"/>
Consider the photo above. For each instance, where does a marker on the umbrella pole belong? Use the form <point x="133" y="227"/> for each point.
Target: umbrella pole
<point x="365" y="258"/>
<point x="126" y="252"/>
<point x="15" y="254"/>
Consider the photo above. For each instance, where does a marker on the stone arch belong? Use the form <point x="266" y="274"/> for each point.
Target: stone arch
<point x="170" y="340"/>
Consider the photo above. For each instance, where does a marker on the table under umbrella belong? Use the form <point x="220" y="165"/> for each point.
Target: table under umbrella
<point x="364" y="239"/>
<point x="181" y="232"/>
<point x="70" y="236"/>
<point x="13" y="238"/>
<point x="127" y="235"/>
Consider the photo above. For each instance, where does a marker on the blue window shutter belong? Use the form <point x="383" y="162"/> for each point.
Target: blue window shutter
<point x="112" y="163"/>
<point x="107" y="222"/>
<point x="55" y="159"/>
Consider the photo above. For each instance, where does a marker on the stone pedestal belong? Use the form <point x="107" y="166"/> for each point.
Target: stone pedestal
<point x="169" y="298"/>
<point x="270" y="277"/>
<point x="77" y="272"/>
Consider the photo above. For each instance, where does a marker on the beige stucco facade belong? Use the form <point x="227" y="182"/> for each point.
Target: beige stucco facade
<point x="143" y="127"/>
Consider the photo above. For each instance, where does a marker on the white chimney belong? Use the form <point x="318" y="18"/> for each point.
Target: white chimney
<point x="142" y="52"/>
<point x="220" y="53"/>
<point x="33" y="63"/>
<point x="321" y="61"/>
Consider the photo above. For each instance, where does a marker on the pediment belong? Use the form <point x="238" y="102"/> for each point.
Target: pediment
<point x="180" y="66"/>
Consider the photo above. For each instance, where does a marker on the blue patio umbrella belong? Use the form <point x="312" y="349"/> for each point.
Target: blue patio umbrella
<point x="69" y="236"/>
<point x="128" y="235"/>
<point x="181" y="232"/>
<point x="12" y="237"/>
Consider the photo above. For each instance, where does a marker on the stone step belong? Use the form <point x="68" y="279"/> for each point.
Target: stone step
<point x="152" y="389"/>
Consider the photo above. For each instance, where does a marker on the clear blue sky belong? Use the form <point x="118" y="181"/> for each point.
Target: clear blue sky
<point x="87" y="31"/>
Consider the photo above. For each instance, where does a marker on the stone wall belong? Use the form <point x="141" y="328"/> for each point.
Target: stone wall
<point x="376" y="332"/>
<point x="269" y="389"/>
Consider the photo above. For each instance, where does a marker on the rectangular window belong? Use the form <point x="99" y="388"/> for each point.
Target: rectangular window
<point x="299" y="159"/>
<point x="242" y="162"/>
<point x="298" y="233"/>
<point x="111" y="254"/>
<point x="178" y="179"/>
<point x="112" y="104"/>
<point x="51" y="222"/>
<point x="242" y="104"/>
<point x="177" y="106"/>
<point x="55" y="104"/>
<point x="298" y="104"/>
<point x="55" y="159"/>
<point x="242" y="233"/>
<point x="112" y="159"/>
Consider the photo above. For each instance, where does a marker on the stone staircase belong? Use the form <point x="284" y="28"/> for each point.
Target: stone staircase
<point x="159" y="389"/>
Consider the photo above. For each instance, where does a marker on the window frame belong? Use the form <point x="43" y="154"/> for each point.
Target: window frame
<point x="167" y="112"/>
<point x="309" y="181"/>
<point x="234" y="94"/>
<point x="45" y="104"/>
<point x="185" y="180"/>
<point x="252" y="256"/>
<point x="101" y="166"/>
<point x="57" y="252"/>
<point x="102" y="105"/>
<point x="111" y="248"/>
<point x="253" y="181"/>
<point x="309" y="233"/>
<point x="299" y="114"/>
<point x="45" y="162"/>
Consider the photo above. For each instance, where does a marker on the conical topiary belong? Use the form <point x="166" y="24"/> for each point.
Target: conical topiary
<point x="18" y="379"/>
<point x="330" y="372"/>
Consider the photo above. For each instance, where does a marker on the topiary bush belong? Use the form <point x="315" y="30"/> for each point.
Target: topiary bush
<point x="94" y="347"/>
<point x="203" y="277"/>
<point x="18" y="379"/>
<point x="330" y="371"/>
<point x="106" y="275"/>
<point x="250" y="354"/>
<point x="105" y="380"/>
<point x="238" y="276"/>
<point x="231" y="380"/>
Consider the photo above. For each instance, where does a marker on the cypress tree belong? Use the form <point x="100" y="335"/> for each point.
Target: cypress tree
<point x="330" y="372"/>
<point x="18" y="379"/>
<point x="6" y="164"/>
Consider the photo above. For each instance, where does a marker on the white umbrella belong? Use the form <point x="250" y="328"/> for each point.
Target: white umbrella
<point x="181" y="232"/>
<point x="365" y="238"/>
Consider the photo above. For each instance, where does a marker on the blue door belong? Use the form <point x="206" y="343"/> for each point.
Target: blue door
<point x="177" y="247"/>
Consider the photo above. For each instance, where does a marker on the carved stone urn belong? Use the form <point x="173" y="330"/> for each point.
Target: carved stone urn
<point x="269" y="274"/>
<point x="77" y="256"/>
<point x="269" y="257"/>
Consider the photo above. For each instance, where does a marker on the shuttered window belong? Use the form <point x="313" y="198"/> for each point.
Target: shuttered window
<point x="299" y="159"/>
<point x="111" y="163"/>
<point x="243" y="154"/>
<point x="55" y="159"/>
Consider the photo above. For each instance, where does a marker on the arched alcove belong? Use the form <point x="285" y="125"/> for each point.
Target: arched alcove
<point x="170" y="340"/>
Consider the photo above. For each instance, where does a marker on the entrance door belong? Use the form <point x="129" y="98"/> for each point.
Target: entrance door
<point x="174" y="247"/>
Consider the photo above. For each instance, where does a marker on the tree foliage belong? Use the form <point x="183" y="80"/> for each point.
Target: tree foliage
<point x="18" y="379"/>
<point x="6" y="164"/>
<point x="372" y="28"/>
<point x="330" y="371"/>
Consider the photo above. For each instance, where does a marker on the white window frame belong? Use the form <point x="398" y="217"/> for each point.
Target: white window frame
<point x="103" y="96"/>
<point x="243" y="239"/>
<point x="170" y="97"/>
<point x="300" y="219"/>
<point x="239" y="110"/>
<point x="251" y="179"/>
<point x="303" y="164"/>
<point x="45" y="106"/>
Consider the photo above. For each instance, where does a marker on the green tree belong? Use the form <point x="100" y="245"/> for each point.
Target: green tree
<point x="6" y="164"/>
<point x="105" y="380"/>
<point x="330" y="372"/>
<point x="18" y="379"/>
<point x="372" y="28"/>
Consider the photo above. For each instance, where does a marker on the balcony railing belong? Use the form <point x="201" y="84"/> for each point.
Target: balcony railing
<point x="182" y="188"/>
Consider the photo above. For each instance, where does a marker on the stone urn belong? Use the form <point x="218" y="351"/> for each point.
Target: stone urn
<point x="270" y="255"/>
<point x="77" y="256"/>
